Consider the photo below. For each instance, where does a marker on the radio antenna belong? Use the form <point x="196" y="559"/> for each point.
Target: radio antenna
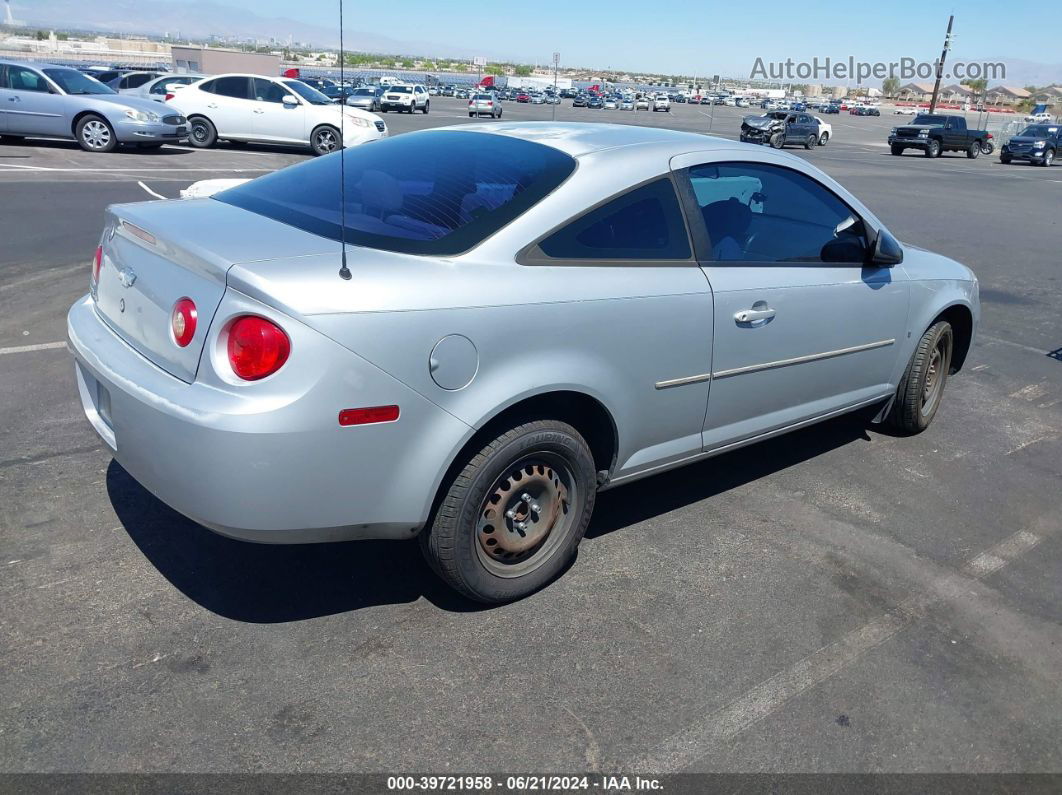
<point x="344" y="271"/>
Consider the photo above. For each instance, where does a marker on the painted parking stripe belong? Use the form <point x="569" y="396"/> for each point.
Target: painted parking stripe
<point x="44" y="346"/>
<point x="684" y="748"/>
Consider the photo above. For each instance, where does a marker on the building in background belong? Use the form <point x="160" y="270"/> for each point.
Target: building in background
<point x="212" y="61"/>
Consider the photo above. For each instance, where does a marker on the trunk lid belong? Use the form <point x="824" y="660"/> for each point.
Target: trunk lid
<point x="155" y="253"/>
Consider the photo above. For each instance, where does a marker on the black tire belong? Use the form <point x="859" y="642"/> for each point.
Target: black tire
<point x="777" y="141"/>
<point x="933" y="149"/>
<point x="1048" y="158"/>
<point x="987" y="147"/>
<point x="95" y="134"/>
<point x="824" y="139"/>
<point x="896" y="150"/>
<point x="10" y="139"/>
<point x="424" y="110"/>
<point x="470" y="115"/>
<point x="474" y="543"/>
<point x="973" y="150"/>
<point x="202" y="133"/>
<point x="325" y="139"/>
<point x="811" y="142"/>
<point x="921" y="389"/>
<point x="1004" y="159"/>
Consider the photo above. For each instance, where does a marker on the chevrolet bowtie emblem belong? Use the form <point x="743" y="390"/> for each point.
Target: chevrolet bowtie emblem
<point x="127" y="276"/>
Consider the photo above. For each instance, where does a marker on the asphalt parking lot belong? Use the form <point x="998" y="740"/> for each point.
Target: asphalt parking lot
<point x="839" y="599"/>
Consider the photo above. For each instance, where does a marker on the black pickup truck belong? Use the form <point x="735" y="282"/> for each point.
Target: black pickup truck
<point x="935" y="134"/>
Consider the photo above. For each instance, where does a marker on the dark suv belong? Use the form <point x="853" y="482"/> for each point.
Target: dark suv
<point x="1037" y="143"/>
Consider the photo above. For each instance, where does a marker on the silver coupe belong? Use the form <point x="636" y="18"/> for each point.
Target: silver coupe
<point x="527" y="314"/>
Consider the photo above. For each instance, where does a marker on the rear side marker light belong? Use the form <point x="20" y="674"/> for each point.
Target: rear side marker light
<point x="183" y="320"/>
<point x="368" y="416"/>
<point x="97" y="263"/>
<point x="257" y="347"/>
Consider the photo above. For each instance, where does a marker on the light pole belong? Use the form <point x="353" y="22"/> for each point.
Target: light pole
<point x="940" y="67"/>
<point x="556" y="63"/>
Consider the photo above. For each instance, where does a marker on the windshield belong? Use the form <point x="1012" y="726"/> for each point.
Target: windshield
<point x="74" y="82"/>
<point x="311" y="95"/>
<point x="930" y="121"/>
<point x="1038" y="131"/>
<point x="437" y="192"/>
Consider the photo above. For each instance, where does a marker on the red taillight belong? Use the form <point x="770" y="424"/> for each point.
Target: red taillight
<point x="97" y="263"/>
<point x="182" y="321"/>
<point x="489" y="103"/>
<point x="257" y="347"/>
<point x="368" y="416"/>
<point x="170" y="96"/>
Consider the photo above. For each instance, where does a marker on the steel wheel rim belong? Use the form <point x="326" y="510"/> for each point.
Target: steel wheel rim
<point x="199" y="131"/>
<point x="512" y="537"/>
<point x="96" y="134"/>
<point x="326" y="141"/>
<point x="936" y="372"/>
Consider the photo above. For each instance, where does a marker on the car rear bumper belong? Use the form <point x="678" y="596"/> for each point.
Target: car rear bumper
<point x="279" y="470"/>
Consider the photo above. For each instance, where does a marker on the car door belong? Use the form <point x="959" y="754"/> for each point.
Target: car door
<point x="229" y="106"/>
<point x="275" y="121"/>
<point x="802" y="326"/>
<point x="808" y="126"/>
<point x="32" y="105"/>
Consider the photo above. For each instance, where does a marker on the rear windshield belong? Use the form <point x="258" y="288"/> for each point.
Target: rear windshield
<point x="400" y="89"/>
<point x="434" y="192"/>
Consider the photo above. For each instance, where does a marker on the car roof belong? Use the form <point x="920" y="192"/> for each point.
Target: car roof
<point x="34" y="64"/>
<point x="580" y="138"/>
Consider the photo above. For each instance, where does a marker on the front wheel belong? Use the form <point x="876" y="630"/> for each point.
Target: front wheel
<point x="1004" y="159"/>
<point x="896" y="150"/>
<point x="922" y="386"/>
<point x="933" y="149"/>
<point x="777" y="141"/>
<point x="513" y="516"/>
<point x="1048" y="159"/>
<point x="95" y="134"/>
<point x="202" y="134"/>
<point x="325" y="140"/>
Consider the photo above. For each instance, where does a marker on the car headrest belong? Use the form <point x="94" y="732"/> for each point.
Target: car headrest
<point x="727" y="218"/>
<point x="380" y="191"/>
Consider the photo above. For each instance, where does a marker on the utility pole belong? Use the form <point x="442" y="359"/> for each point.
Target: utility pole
<point x="940" y="66"/>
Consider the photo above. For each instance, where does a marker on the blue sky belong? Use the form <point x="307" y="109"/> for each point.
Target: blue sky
<point x="667" y="35"/>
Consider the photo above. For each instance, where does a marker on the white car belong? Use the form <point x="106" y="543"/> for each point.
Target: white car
<point x="643" y="103"/>
<point x="162" y="88"/>
<point x="1042" y="118"/>
<point x="275" y="110"/>
<point x="825" y="130"/>
<point x="405" y="98"/>
<point x="662" y="103"/>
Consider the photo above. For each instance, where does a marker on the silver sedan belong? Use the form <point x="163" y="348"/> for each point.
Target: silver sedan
<point x="366" y="98"/>
<point x="45" y="101"/>
<point x="526" y="314"/>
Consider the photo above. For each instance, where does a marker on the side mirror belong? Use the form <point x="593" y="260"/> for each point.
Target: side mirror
<point x="887" y="251"/>
<point x="290" y="101"/>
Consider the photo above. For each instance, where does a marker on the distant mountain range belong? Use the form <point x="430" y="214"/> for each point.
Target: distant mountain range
<point x="200" y="19"/>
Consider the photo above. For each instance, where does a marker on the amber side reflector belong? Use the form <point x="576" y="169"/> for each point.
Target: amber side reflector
<point x="368" y="416"/>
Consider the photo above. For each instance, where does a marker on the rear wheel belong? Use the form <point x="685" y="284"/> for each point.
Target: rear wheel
<point x="824" y="139"/>
<point x="515" y="513"/>
<point x="201" y="132"/>
<point x="325" y="140"/>
<point x="811" y="142"/>
<point x="95" y="134"/>
<point x="922" y="386"/>
<point x="973" y="150"/>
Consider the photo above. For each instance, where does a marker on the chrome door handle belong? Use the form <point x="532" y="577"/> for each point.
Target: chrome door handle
<point x="753" y="315"/>
<point x="14" y="99"/>
<point x="212" y="105"/>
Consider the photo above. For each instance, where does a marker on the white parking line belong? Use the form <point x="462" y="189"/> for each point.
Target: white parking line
<point x="44" y="346"/>
<point x="686" y="747"/>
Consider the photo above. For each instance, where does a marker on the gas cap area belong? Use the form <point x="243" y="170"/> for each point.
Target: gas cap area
<point x="453" y="362"/>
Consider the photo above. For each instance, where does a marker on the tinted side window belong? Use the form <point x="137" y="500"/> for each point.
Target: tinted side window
<point x="644" y="224"/>
<point x="759" y="213"/>
<point x="268" y="91"/>
<point x="20" y="78"/>
<point x="235" y="87"/>
<point x="135" y="81"/>
<point x="208" y="86"/>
